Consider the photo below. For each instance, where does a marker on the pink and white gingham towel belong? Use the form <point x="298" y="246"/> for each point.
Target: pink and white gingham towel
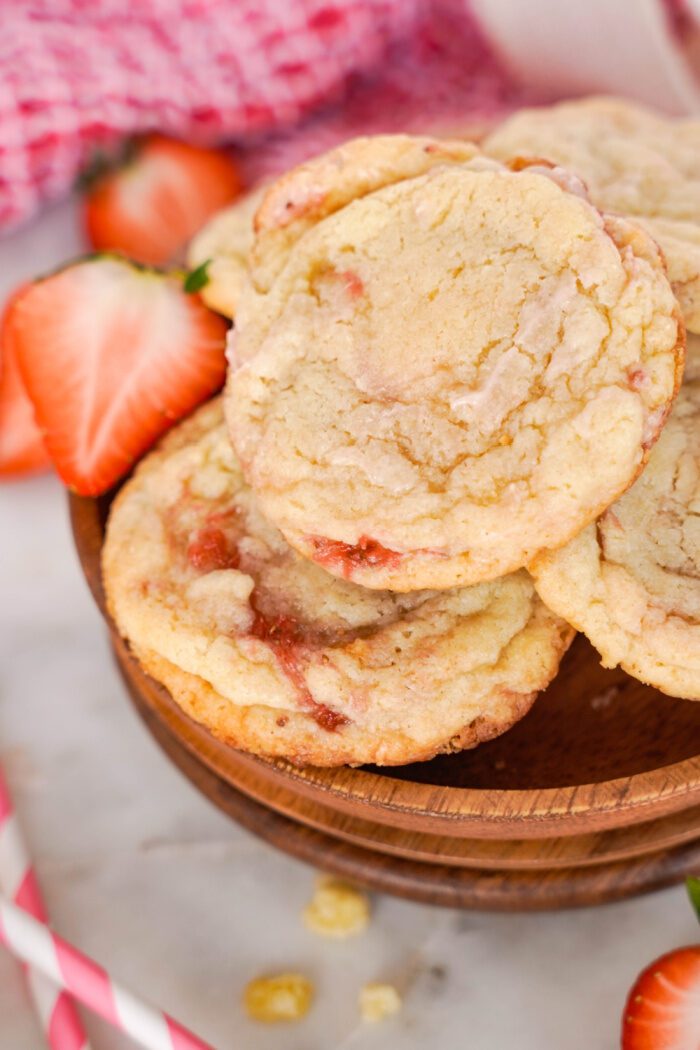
<point x="75" y="74"/>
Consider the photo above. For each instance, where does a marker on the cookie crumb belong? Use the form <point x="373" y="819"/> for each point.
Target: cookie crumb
<point x="336" y="909"/>
<point x="285" y="997"/>
<point x="378" y="1001"/>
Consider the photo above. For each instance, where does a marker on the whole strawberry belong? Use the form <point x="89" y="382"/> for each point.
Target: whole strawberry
<point x="153" y="203"/>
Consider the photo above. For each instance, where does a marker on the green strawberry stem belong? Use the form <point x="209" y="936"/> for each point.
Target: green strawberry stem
<point x="197" y="279"/>
<point x="692" y="884"/>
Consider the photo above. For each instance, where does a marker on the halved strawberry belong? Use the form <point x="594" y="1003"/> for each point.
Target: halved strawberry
<point x="21" y="447"/>
<point x="111" y="354"/>
<point x="663" y="1008"/>
<point x="155" y="203"/>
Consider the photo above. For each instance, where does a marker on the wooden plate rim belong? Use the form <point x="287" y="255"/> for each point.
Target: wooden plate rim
<point x="589" y="848"/>
<point x="436" y="884"/>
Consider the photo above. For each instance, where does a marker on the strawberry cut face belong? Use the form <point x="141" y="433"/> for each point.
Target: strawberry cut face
<point x="155" y="203"/>
<point x="663" y="1007"/>
<point x="111" y="355"/>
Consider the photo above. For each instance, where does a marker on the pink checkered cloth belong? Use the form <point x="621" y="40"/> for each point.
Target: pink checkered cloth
<point x="282" y="78"/>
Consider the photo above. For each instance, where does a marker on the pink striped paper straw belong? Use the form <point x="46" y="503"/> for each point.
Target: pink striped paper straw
<point x="36" y="945"/>
<point x="57" y="1014"/>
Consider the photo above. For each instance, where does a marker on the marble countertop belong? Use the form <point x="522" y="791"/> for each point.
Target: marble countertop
<point x="182" y="905"/>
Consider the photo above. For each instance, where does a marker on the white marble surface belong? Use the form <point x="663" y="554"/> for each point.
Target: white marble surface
<point x="185" y="907"/>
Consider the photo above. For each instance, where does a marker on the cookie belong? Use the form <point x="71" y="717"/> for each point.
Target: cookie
<point x="419" y="395"/>
<point x="225" y="242"/>
<point x="227" y="239"/>
<point x="634" y="162"/>
<point x="275" y="656"/>
<point x="680" y="243"/>
<point x="631" y="582"/>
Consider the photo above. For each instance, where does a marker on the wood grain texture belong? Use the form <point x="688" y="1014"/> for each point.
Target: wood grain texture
<point x="235" y="769"/>
<point x="593" y="796"/>
<point x="431" y="883"/>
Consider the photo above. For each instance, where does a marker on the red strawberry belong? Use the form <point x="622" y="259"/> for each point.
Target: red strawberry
<point x="21" y="447"/>
<point x="111" y="354"/>
<point x="154" y="204"/>
<point x="663" y="1008"/>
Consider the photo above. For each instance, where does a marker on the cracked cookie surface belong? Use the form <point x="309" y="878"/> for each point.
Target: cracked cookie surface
<point x="423" y="387"/>
<point x="351" y="170"/>
<point x="276" y="656"/>
<point x="327" y="183"/>
<point x="634" y="162"/>
<point x="631" y="581"/>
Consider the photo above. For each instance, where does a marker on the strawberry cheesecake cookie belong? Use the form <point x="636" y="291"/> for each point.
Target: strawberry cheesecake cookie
<point x="275" y="656"/>
<point x="325" y="184"/>
<point x="422" y="377"/>
<point x="634" y="162"/>
<point x="296" y="202"/>
<point x="631" y="582"/>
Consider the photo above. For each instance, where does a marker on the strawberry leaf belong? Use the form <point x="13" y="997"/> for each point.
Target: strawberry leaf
<point x="692" y="884"/>
<point x="197" y="279"/>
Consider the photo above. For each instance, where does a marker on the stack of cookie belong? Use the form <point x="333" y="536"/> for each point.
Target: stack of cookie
<point x="449" y="366"/>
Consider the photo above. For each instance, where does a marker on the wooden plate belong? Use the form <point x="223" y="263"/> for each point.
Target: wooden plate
<point x="430" y="883"/>
<point x="601" y="779"/>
